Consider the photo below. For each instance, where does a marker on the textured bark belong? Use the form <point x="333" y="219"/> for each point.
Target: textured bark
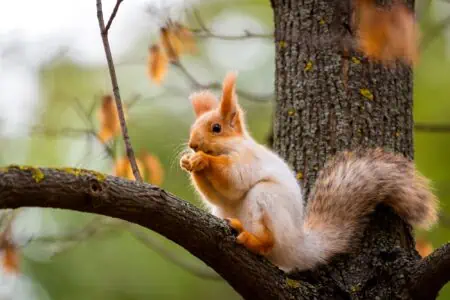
<point x="328" y="99"/>
<point x="431" y="274"/>
<point x="202" y="234"/>
<point x="321" y="107"/>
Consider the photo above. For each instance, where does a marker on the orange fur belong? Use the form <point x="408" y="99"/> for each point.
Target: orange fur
<point x="235" y="224"/>
<point x="244" y="181"/>
<point x="210" y="164"/>
<point x="228" y="103"/>
<point x="203" y="102"/>
<point x="260" y="243"/>
<point x="228" y="115"/>
<point x="210" y="175"/>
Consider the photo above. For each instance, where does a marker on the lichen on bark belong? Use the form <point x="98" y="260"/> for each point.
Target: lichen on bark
<point x="329" y="98"/>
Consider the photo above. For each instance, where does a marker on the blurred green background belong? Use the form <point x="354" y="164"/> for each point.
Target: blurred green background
<point x="117" y="266"/>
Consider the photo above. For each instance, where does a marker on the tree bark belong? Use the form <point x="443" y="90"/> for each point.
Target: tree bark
<point x="202" y="234"/>
<point x="329" y="98"/>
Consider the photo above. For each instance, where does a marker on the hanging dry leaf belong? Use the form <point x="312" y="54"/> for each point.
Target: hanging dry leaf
<point x="423" y="247"/>
<point x="122" y="168"/>
<point x="10" y="261"/>
<point x="153" y="168"/>
<point x="157" y="64"/>
<point x="187" y="37"/>
<point x="176" y="40"/>
<point x="387" y="34"/>
<point x="109" y="119"/>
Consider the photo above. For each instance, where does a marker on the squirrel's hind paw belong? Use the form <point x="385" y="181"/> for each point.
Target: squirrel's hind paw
<point x="261" y="246"/>
<point x="235" y="224"/>
<point x="254" y="244"/>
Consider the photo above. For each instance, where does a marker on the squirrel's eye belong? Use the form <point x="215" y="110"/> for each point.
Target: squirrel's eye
<point x="216" y="128"/>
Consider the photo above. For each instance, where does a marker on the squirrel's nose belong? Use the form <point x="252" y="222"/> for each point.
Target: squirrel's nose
<point x="193" y="146"/>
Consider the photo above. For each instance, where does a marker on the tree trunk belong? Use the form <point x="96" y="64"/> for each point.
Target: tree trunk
<point x="328" y="99"/>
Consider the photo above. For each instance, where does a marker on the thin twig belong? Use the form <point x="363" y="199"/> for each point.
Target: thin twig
<point x="194" y="269"/>
<point x="97" y="226"/>
<point x="216" y="85"/>
<point x="432" y="127"/>
<point x="112" y="73"/>
<point x="74" y="132"/>
<point x="205" y="32"/>
<point x="246" y="35"/>
<point x="113" y="15"/>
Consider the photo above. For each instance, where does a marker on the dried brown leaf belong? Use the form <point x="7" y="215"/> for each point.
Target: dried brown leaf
<point x="10" y="261"/>
<point x="424" y="247"/>
<point x="109" y="119"/>
<point x="387" y="34"/>
<point x="157" y="64"/>
<point x="153" y="168"/>
<point x="177" y="40"/>
<point x="122" y="168"/>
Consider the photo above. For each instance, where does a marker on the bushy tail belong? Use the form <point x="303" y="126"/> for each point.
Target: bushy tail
<point x="350" y="186"/>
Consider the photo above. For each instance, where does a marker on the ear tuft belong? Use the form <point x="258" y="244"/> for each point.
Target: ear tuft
<point x="203" y="102"/>
<point x="228" y="105"/>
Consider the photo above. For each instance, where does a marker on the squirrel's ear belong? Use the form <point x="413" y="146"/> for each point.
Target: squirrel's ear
<point x="202" y="102"/>
<point x="228" y="104"/>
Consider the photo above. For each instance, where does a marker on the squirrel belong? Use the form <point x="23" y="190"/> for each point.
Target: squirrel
<point x="257" y="193"/>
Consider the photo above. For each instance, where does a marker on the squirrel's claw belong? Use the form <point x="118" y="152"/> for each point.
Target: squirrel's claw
<point x="253" y="243"/>
<point x="235" y="224"/>
<point x="261" y="246"/>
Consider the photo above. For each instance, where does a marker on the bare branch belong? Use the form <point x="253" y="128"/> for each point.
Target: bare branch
<point x="198" y="271"/>
<point x="205" y="32"/>
<point x="113" y="15"/>
<point x="112" y="73"/>
<point x="73" y="132"/>
<point x="423" y="127"/>
<point x="216" y="85"/>
<point x="202" y="234"/>
<point x="98" y="225"/>
<point x="243" y="36"/>
<point x="431" y="274"/>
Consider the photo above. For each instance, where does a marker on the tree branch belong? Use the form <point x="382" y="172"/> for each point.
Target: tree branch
<point x="423" y="127"/>
<point x="113" y="15"/>
<point x="112" y="73"/>
<point x="101" y="225"/>
<point x="205" y="32"/>
<point x="431" y="274"/>
<point x="216" y="85"/>
<point x="202" y="234"/>
<point x="191" y="267"/>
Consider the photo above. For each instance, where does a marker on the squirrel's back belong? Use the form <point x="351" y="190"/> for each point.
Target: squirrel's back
<point x="352" y="184"/>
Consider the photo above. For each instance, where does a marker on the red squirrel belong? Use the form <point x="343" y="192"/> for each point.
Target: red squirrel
<point x="258" y="194"/>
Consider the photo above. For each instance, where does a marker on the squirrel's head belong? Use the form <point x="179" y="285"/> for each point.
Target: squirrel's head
<point x="218" y="125"/>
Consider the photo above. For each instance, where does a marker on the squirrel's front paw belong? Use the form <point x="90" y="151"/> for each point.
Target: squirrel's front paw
<point x="198" y="161"/>
<point x="185" y="162"/>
